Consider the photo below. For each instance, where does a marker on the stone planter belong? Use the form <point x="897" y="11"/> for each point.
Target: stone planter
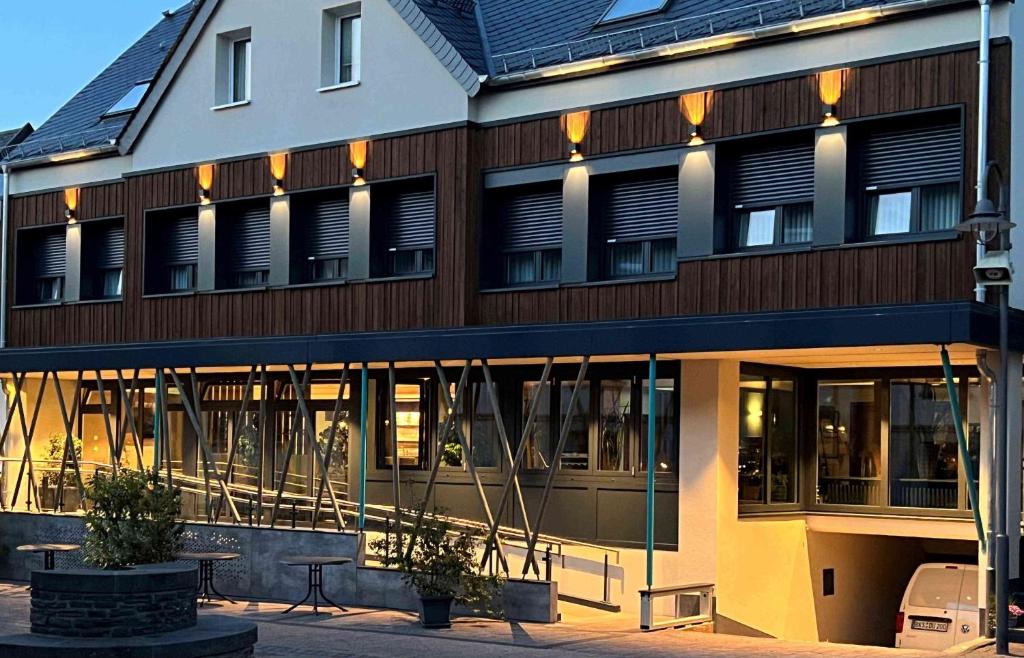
<point x="91" y="603"/>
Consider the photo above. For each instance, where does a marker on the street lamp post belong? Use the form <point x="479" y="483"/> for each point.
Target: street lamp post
<point x="992" y="231"/>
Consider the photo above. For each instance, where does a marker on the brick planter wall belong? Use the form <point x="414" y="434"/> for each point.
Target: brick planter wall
<point x="127" y="603"/>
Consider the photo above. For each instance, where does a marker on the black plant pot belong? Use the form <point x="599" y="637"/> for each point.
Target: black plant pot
<point x="436" y="611"/>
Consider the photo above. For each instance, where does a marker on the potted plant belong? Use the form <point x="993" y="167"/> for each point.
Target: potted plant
<point x="132" y="520"/>
<point x="442" y="569"/>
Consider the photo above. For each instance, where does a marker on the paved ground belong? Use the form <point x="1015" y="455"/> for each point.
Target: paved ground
<point x="390" y="634"/>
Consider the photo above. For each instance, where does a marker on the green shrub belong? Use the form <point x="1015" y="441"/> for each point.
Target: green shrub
<point x="444" y="564"/>
<point x="131" y="521"/>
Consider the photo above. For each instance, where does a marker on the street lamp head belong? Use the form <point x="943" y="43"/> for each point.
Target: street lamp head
<point x="986" y="222"/>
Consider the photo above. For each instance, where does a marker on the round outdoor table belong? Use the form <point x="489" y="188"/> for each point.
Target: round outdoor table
<point x="206" y="561"/>
<point x="48" y="551"/>
<point x="316" y="577"/>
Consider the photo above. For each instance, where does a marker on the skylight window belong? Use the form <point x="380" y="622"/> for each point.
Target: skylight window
<point x="129" y="101"/>
<point x="623" y="9"/>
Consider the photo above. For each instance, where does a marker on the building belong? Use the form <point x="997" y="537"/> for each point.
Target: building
<point x="449" y="236"/>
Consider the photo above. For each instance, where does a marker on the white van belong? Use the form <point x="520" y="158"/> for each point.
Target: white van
<point x="939" y="608"/>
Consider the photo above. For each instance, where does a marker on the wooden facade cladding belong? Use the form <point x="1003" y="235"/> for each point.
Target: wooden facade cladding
<point x="867" y="274"/>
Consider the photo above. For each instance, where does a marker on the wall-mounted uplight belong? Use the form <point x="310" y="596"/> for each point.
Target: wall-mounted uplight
<point x="278" y="166"/>
<point x="830" y="90"/>
<point x="575" y="125"/>
<point x="695" y="107"/>
<point x="357" y="156"/>
<point x="71" y="196"/>
<point x="205" y="175"/>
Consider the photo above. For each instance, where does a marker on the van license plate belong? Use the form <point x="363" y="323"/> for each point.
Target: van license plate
<point x="925" y="625"/>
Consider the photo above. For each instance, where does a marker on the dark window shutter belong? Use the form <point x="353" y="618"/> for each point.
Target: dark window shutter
<point x="110" y="247"/>
<point x="250" y="242"/>
<point x="773" y="176"/>
<point x="412" y="219"/>
<point x="903" y="158"/>
<point x="181" y="239"/>
<point x="642" y="209"/>
<point x="531" y="218"/>
<point x="50" y="253"/>
<point x="328" y="228"/>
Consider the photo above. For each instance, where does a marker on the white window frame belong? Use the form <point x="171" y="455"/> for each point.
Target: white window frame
<point x="248" y="70"/>
<point x="357" y="42"/>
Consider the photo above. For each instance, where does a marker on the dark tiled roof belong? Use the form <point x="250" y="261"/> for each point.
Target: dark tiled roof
<point x="9" y="137"/>
<point x="456" y="19"/>
<point x="80" y="122"/>
<point x="529" y="34"/>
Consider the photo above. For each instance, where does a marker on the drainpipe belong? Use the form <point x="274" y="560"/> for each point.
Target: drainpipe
<point x="983" y="83"/>
<point x="6" y="170"/>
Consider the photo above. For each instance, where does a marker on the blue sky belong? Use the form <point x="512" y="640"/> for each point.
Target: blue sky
<point x="50" y="49"/>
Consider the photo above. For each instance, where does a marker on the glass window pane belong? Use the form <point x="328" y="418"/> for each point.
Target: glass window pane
<point x="922" y="445"/>
<point x="625" y="259"/>
<point x="410" y="402"/>
<point x="240" y="72"/>
<point x="937" y="588"/>
<point x="615" y="424"/>
<point x="666" y="441"/>
<point x="346" y="50"/>
<point x="797" y="223"/>
<point x="484" y="441"/>
<point x="975" y="408"/>
<point x="626" y="8"/>
<point x="551" y="265"/>
<point x="757" y="228"/>
<point x="576" y="453"/>
<point x="781" y="422"/>
<point x="940" y="207"/>
<point x="890" y="213"/>
<point x="112" y="283"/>
<point x="849" y="444"/>
<point x="753" y="393"/>
<point x="520" y="267"/>
<point x="663" y="255"/>
<point x="538" y="442"/>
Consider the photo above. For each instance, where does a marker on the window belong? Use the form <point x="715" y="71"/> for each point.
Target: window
<point x="527" y="222"/>
<point x="849" y="443"/>
<point x="539" y="444"/>
<point x="623" y="9"/>
<point x="412" y="412"/>
<point x="41" y="262"/>
<point x="636" y="220"/>
<point x="767" y="445"/>
<point x="102" y="259"/>
<point x="911" y="178"/>
<point x="347" y="41"/>
<point x="772" y="195"/>
<point x="172" y="250"/>
<point x="129" y="101"/>
<point x="615" y="425"/>
<point x="576" y="452"/>
<point x="666" y="435"/>
<point x="402" y="228"/>
<point x="323" y="218"/>
<point x="243" y="244"/>
<point x="923" y="449"/>
<point x="240" y="70"/>
<point x="483" y="435"/>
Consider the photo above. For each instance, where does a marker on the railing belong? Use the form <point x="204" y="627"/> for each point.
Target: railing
<point x="709" y="24"/>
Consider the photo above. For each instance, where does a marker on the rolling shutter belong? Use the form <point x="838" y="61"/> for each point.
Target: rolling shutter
<point x="642" y="209"/>
<point x="181" y="239"/>
<point x="251" y="239"/>
<point x="770" y="177"/>
<point x="50" y="253"/>
<point x="902" y="158"/>
<point x="110" y="247"/>
<point x="531" y="218"/>
<point x="328" y="228"/>
<point x="412" y="219"/>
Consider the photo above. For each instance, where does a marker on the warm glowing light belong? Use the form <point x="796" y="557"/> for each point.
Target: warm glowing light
<point x="205" y="175"/>
<point x="278" y="164"/>
<point x="357" y="154"/>
<point x="71" y="196"/>
<point x="575" y="126"/>
<point x="695" y="106"/>
<point x="830" y="90"/>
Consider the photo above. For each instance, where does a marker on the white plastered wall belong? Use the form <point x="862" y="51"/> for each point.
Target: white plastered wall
<point x="403" y="87"/>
